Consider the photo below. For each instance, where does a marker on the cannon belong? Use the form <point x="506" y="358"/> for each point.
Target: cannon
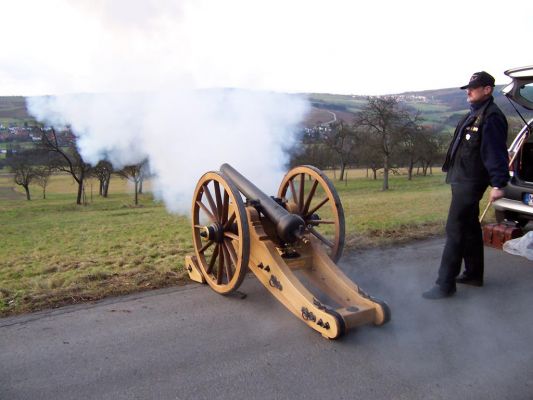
<point x="291" y="243"/>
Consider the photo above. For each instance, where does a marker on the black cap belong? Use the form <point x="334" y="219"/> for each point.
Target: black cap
<point x="479" y="79"/>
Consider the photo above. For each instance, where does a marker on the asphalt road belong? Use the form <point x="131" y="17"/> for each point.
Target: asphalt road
<point x="190" y="343"/>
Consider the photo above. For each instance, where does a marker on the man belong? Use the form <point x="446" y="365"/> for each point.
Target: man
<point x="477" y="157"/>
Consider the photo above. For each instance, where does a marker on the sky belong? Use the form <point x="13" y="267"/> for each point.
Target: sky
<point x="336" y="46"/>
<point x="124" y="74"/>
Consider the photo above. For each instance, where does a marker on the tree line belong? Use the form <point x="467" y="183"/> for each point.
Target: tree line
<point x="58" y="152"/>
<point x="383" y="136"/>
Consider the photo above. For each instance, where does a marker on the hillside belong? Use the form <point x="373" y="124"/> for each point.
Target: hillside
<point x="455" y="100"/>
<point x="13" y="108"/>
<point x="441" y="107"/>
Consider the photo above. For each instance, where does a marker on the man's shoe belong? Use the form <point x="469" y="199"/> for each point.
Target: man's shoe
<point x="466" y="280"/>
<point x="436" y="292"/>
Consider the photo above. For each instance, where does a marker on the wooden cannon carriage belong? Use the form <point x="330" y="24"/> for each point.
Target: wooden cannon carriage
<point x="290" y="242"/>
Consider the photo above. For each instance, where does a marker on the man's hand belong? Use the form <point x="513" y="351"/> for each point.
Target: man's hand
<point x="495" y="194"/>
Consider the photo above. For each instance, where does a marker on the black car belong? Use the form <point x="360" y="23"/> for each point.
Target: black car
<point x="517" y="204"/>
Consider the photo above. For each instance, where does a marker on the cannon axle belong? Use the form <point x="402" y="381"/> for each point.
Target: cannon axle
<point x="215" y="232"/>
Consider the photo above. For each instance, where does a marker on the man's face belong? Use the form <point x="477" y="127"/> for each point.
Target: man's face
<point x="479" y="94"/>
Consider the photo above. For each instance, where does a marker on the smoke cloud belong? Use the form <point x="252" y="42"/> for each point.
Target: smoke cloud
<point x="147" y="76"/>
<point x="183" y="133"/>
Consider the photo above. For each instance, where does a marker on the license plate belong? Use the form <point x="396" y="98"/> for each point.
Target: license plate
<point x="527" y="198"/>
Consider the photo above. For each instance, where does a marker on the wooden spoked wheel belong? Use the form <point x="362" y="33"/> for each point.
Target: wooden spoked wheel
<point x="220" y="232"/>
<point x="311" y="194"/>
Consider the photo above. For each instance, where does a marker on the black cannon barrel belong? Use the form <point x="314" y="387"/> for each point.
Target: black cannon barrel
<point x="289" y="226"/>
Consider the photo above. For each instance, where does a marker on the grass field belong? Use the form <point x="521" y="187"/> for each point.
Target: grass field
<point x="54" y="252"/>
<point x="22" y="145"/>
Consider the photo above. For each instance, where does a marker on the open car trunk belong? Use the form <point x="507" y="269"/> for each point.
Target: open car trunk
<point x="520" y="90"/>
<point x="524" y="163"/>
<point x="522" y="167"/>
<point x="517" y="203"/>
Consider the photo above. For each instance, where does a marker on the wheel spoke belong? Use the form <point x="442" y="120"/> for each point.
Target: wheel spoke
<point x="210" y="200"/>
<point x="219" y="200"/>
<point x="206" y="246"/>
<point x="225" y="207"/>
<point x="213" y="259"/>
<point x="293" y="192"/>
<point x="232" y="236"/>
<point x="321" y="238"/>
<point x="220" y="266"/>
<point x="317" y="207"/>
<point x="230" y="220"/>
<point x="227" y="262"/>
<point x="301" y="198"/>
<point x="310" y="197"/>
<point x="209" y="214"/>
<point x="231" y="251"/>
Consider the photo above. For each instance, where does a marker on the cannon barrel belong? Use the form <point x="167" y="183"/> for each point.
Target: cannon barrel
<point x="289" y="227"/>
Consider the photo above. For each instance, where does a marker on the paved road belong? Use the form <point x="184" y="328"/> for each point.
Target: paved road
<point x="334" y="118"/>
<point x="190" y="343"/>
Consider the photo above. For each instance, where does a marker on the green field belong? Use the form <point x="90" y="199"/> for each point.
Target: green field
<point x="351" y="103"/>
<point x="21" y="145"/>
<point x="17" y="121"/>
<point x="17" y="145"/>
<point x="54" y="252"/>
<point x="429" y="107"/>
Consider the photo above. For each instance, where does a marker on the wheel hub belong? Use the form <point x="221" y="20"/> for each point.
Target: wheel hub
<point x="213" y="232"/>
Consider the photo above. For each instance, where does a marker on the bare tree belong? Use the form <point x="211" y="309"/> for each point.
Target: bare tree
<point x="134" y="173"/>
<point x="433" y="149"/>
<point x="24" y="170"/>
<point x="103" y="171"/>
<point x="370" y="154"/>
<point x="412" y="141"/>
<point x="342" y="140"/>
<point x="312" y="150"/>
<point x="68" y="157"/>
<point x="382" y="117"/>
<point x="42" y="177"/>
<point x="145" y="173"/>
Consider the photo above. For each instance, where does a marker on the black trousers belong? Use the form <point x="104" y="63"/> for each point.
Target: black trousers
<point x="464" y="239"/>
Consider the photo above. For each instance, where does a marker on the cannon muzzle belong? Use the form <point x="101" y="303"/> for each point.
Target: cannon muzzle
<point x="289" y="227"/>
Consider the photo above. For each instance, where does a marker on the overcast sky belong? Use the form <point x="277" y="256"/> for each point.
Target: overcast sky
<point x="334" y="46"/>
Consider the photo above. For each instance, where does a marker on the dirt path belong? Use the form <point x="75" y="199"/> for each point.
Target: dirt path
<point x="8" y="193"/>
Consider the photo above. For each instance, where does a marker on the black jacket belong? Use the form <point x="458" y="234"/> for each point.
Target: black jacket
<point x="478" y="151"/>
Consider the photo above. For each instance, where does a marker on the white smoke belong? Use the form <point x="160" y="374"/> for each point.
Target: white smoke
<point x="145" y="70"/>
<point x="183" y="133"/>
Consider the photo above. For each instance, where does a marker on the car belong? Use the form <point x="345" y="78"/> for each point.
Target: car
<point x="517" y="204"/>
